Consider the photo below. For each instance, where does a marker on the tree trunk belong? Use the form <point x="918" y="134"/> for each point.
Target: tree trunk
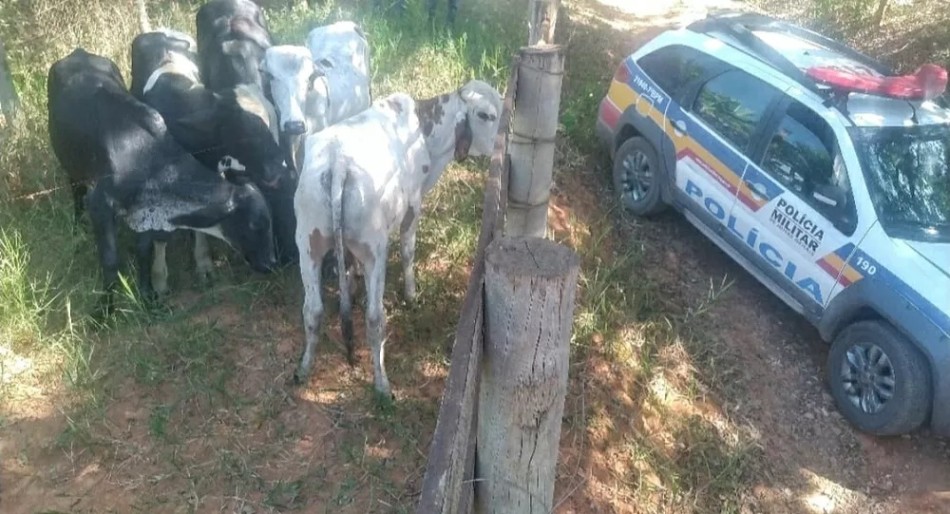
<point x="880" y="12"/>
<point x="542" y="18"/>
<point x="531" y="143"/>
<point x="529" y="309"/>
<point x="9" y="102"/>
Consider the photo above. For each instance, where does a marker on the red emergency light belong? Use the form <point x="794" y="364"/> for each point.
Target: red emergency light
<point x="928" y="82"/>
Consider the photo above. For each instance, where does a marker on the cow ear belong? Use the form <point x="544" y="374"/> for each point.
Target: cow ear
<point x="463" y="139"/>
<point x="205" y="217"/>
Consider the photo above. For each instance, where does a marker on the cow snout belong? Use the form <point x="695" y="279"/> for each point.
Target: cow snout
<point x="295" y="128"/>
<point x="267" y="265"/>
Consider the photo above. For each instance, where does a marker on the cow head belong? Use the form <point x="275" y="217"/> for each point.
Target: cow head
<point x="298" y="87"/>
<point x="243" y="219"/>
<point x="236" y="56"/>
<point x="164" y="48"/>
<point x="255" y="155"/>
<point x="477" y="127"/>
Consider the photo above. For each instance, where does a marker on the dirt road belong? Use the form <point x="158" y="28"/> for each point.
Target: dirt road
<point x="815" y="461"/>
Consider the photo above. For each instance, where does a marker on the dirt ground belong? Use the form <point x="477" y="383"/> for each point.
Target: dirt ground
<point x="260" y="445"/>
<point x="816" y="462"/>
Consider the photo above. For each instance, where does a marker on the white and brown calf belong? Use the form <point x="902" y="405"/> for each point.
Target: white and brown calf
<point x="365" y="176"/>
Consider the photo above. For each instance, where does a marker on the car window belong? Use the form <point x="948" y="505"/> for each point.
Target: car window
<point x="674" y="67"/>
<point x="803" y="155"/>
<point x="733" y="104"/>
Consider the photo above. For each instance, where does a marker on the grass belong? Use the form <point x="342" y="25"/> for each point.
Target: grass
<point x="189" y="407"/>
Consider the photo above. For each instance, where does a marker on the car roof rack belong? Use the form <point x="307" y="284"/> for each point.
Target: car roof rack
<point x="740" y="26"/>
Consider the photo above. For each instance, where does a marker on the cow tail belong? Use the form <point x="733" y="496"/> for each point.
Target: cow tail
<point x="338" y="173"/>
<point x="144" y="24"/>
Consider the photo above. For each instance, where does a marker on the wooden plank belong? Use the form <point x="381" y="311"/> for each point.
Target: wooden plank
<point x="447" y="485"/>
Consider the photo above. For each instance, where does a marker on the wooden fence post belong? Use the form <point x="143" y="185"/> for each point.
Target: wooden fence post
<point x="9" y="102"/>
<point x="530" y="285"/>
<point x="531" y="143"/>
<point x="542" y="18"/>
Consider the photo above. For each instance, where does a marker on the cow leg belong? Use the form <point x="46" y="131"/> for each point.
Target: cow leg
<point x="105" y="231"/>
<point x="376" y="318"/>
<point x="203" y="262"/>
<point x="160" y="268"/>
<point x="144" y="246"/>
<point x="79" y="197"/>
<point x="452" y="9"/>
<point x="407" y="250"/>
<point x="313" y="302"/>
<point x="346" y="278"/>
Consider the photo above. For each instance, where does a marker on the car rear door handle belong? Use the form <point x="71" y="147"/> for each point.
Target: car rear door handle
<point x="680" y="126"/>
<point x="756" y="188"/>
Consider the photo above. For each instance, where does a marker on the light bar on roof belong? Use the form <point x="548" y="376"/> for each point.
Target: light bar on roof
<point x="926" y="83"/>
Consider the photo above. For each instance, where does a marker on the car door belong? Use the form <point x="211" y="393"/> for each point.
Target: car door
<point x="712" y="138"/>
<point x="796" y="211"/>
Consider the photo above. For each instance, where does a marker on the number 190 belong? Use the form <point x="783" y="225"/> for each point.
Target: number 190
<point x="866" y="266"/>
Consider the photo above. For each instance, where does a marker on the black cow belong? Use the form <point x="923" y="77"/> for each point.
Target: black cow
<point x="232" y="38"/>
<point x="225" y="130"/>
<point x="104" y="138"/>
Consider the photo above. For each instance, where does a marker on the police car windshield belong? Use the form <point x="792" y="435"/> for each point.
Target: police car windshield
<point x="908" y="174"/>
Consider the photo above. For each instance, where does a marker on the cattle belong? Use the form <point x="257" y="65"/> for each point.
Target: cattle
<point x="373" y="169"/>
<point x="321" y="84"/>
<point x="232" y="37"/>
<point x="233" y="130"/>
<point x="123" y="164"/>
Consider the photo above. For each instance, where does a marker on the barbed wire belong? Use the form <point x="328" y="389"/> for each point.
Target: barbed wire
<point x="184" y="155"/>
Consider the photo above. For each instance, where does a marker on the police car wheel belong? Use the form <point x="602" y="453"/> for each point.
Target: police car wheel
<point x="637" y="177"/>
<point x="880" y="382"/>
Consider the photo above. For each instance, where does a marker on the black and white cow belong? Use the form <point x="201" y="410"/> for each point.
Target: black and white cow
<point x="232" y="130"/>
<point x="232" y="38"/>
<point x="106" y="139"/>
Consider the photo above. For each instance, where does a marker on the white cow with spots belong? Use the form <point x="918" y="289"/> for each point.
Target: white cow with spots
<point x="364" y="177"/>
<point x="315" y="86"/>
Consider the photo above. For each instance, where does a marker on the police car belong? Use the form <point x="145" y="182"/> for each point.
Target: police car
<point x="821" y="172"/>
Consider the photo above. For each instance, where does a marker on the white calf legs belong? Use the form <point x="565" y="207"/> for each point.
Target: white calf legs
<point x="376" y="322"/>
<point x="310" y="274"/>
<point x="407" y="251"/>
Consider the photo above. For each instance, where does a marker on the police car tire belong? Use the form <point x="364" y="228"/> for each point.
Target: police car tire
<point x="653" y="202"/>
<point x="910" y="406"/>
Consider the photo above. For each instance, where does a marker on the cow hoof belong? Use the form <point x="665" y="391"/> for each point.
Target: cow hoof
<point x="384" y="398"/>
<point x="205" y="278"/>
<point x="300" y="377"/>
<point x="103" y="312"/>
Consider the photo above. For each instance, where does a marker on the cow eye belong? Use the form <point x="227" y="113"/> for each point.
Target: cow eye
<point x="483" y="116"/>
